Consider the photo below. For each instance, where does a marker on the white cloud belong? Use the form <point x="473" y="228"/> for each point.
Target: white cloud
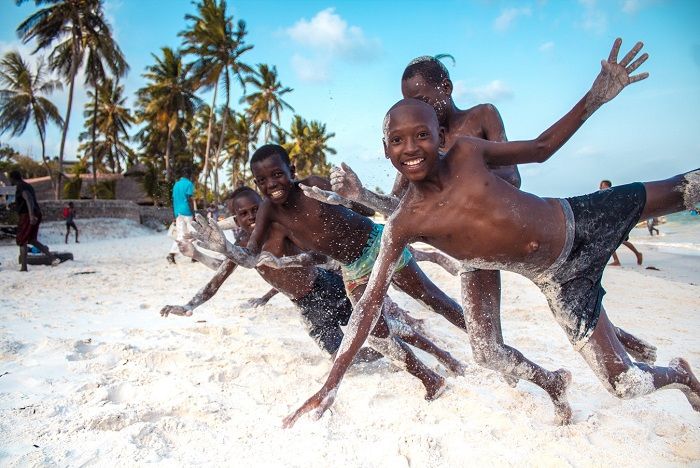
<point x="593" y="19"/>
<point x="587" y="151"/>
<point x="494" y="91"/>
<point x="309" y="70"/>
<point x="546" y="46"/>
<point x="329" y="32"/>
<point x="508" y="16"/>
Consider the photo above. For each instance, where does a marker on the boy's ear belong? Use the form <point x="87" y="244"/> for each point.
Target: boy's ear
<point x="447" y="86"/>
<point x="386" y="153"/>
<point x="293" y="171"/>
<point x="441" y="136"/>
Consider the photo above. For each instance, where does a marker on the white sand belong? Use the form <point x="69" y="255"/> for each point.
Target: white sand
<point x="92" y="375"/>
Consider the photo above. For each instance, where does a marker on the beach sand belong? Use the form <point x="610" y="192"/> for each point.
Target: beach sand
<point x="90" y="374"/>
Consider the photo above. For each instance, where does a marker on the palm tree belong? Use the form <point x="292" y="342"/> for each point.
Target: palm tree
<point x="168" y="100"/>
<point x="218" y="46"/>
<point x="239" y="140"/>
<point x="111" y="119"/>
<point x="22" y="99"/>
<point x="266" y="103"/>
<point x="308" y="147"/>
<point x="80" y="28"/>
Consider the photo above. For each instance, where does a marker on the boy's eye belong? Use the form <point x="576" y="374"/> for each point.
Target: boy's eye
<point x="423" y="134"/>
<point x="394" y="140"/>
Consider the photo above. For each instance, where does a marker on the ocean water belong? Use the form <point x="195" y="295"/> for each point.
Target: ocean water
<point x="679" y="234"/>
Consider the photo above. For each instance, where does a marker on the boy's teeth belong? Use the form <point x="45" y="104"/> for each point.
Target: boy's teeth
<point x="413" y="162"/>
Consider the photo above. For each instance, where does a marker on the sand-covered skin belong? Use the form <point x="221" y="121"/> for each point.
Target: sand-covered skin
<point x="91" y="374"/>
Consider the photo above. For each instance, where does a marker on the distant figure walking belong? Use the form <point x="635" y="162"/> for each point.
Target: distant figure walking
<point x="606" y="184"/>
<point x="183" y="209"/>
<point x="651" y="222"/>
<point x="69" y="215"/>
<point x="29" y="220"/>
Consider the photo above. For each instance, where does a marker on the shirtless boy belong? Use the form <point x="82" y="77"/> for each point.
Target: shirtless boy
<point x="427" y="79"/>
<point x="317" y="292"/>
<point x="562" y="245"/>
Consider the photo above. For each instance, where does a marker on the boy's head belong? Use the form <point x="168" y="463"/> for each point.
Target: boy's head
<point x="186" y="172"/>
<point x="243" y="203"/>
<point x="70" y="204"/>
<point x="605" y="184"/>
<point x="273" y="172"/>
<point x="15" y="177"/>
<point x="427" y="79"/>
<point x="412" y="136"/>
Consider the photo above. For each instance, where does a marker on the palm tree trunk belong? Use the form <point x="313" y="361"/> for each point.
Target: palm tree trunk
<point x="168" y="166"/>
<point x="223" y="130"/>
<point x="69" y="107"/>
<point x="206" y="151"/>
<point x="92" y="148"/>
<point x="46" y="163"/>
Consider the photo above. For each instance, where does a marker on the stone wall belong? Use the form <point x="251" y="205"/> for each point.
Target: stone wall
<point x="152" y="216"/>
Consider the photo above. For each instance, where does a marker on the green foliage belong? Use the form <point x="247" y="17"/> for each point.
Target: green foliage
<point x="156" y="186"/>
<point x="71" y="188"/>
<point x="105" y="190"/>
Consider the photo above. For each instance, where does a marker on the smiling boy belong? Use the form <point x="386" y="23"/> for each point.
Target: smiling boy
<point x="455" y="203"/>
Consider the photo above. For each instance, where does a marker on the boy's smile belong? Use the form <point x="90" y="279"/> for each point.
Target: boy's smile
<point x="274" y="178"/>
<point x="412" y="138"/>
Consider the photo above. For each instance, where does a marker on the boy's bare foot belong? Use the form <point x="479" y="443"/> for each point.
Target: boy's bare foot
<point x="171" y="258"/>
<point x="692" y="388"/>
<point x="639" y="258"/>
<point x="435" y="388"/>
<point x="562" y="410"/>
<point x="453" y="365"/>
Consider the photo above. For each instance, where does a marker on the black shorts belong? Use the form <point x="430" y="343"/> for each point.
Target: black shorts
<point x="325" y="309"/>
<point x="602" y="221"/>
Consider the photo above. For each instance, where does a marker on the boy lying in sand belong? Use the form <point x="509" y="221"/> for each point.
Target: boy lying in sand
<point x="560" y="244"/>
<point x="317" y="292"/>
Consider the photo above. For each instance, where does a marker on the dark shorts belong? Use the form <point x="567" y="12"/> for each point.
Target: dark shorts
<point x="325" y="309"/>
<point x="601" y="222"/>
<point x="71" y="224"/>
<point x="26" y="232"/>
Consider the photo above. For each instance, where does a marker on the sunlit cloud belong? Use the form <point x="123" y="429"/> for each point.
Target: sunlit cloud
<point x="494" y="91"/>
<point x="546" y="46"/>
<point x="508" y="16"/>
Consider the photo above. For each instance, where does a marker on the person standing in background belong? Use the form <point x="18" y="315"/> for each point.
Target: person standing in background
<point x="183" y="209"/>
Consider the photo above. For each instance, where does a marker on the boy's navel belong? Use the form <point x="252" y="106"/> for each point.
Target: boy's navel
<point x="533" y="246"/>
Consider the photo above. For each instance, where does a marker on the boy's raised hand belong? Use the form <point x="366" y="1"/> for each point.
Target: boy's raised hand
<point x="208" y="234"/>
<point x="345" y="182"/>
<point x="614" y="76"/>
<point x="325" y="196"/>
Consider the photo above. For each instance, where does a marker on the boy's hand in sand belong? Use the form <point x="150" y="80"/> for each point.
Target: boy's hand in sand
<point x="175" y="310"/>
<point x="256" y="302"/>
<point x="318" y="403"/>
<point x="325" y="196"/>
<point x="345" y="182"/>
<point x="208" y="233"/>
<point x="614" y="76"/>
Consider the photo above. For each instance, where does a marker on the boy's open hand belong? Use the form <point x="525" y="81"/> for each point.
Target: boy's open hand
<point x="614" y="76"/>
<point x="255" y="302"/>
<point x="175" y="310"/>
<point x="325" y="196"/>
<point x="318" y="403"/>
<point x="345" y="182"/>
<point x="208" y="233"/>
<point x="272" y="261"/>
<point x="186" y="247"/>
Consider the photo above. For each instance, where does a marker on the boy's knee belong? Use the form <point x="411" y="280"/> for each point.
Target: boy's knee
<point x="631" y="383"/>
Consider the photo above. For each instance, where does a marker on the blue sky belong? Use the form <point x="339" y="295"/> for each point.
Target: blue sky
<point x="533" y="60"/>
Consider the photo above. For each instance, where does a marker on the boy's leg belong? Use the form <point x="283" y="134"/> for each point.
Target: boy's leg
<point x="672" y="195"/>
<point x="627" y="379"/>
<point x="399" y="324"/>
<point x="393" y="348"/>
<point x="67" y="232"/>
<point x="23" y="257"/>
<point x="616" y="260"/>
<point x="411" y="280"/>
<point x="634" y="250"/>
<point x="489" y="350"/>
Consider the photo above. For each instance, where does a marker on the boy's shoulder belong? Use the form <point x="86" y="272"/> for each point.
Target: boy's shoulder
<point x="315" y="181"/>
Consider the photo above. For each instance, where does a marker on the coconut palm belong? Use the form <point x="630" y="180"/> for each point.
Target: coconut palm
<point x="22" y="100"/>
<point x="240" y="138"/>
<point x="167" y="101"/>
<point x="217" y="46"/>
<point x="266" y="103"/>
<point x="84" y="37"/>
<point x="308" y="146"/>
<point x="111" y="119"/>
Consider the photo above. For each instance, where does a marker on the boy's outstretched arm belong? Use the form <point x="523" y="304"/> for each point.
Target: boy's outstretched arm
<point x="346" y="183"/>
<point x="612" y="79"/>
<point x="305" y="259"/>
<point x="362" y="321"/>
<point x="188" y="249"/>
<point x="320" y="185"/>
<point x="203" y="295"/>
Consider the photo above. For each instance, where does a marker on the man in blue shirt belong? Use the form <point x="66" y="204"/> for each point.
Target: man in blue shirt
<point x="183" y="208"/>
